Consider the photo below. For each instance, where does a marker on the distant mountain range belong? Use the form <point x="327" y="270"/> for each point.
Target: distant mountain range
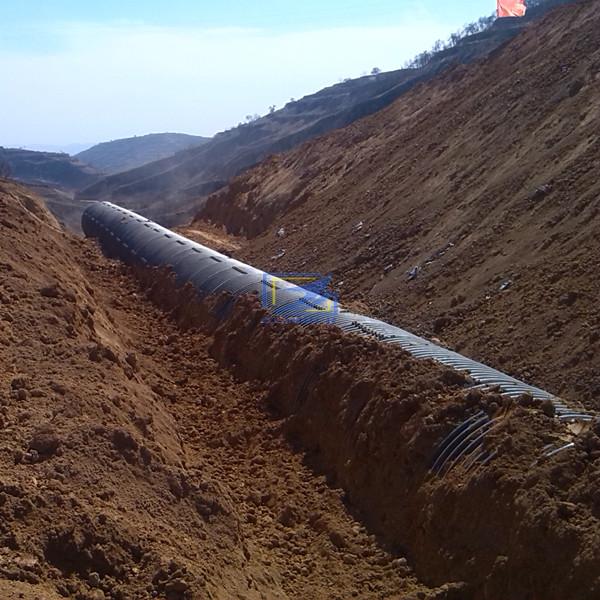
<point x="129" y="153"/>
<point x="71" y="149"/>
<point x="48" y="168"/>
<point x="56" y="176"/>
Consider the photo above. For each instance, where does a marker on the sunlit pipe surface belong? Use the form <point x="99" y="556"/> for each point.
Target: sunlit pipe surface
<point x="138" y="241"/>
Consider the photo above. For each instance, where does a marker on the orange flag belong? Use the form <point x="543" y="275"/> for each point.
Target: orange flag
<point x="511" y="8"/>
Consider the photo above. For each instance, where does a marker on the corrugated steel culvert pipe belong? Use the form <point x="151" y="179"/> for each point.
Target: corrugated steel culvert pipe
<point x="138" y="241"/>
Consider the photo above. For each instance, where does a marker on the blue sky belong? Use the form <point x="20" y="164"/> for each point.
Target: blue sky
<point x="91" y="71"/>
<point x="279" y="14"/>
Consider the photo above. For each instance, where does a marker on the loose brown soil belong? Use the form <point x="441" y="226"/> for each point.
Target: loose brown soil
<point x="370" y="417"/>
<point x="154" y="451"/>
<point x="487" y="180"/>
<point x="133" y="466"/>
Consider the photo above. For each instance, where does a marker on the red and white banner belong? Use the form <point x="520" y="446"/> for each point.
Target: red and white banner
<point x="511" y="8"/>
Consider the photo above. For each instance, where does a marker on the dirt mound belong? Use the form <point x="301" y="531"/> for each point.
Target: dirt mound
<point x="373" y="427"/>
<point x="132" y="466"/>
<point x="238" y="459"/>
<point x="370" y="417"/>
<point x="466" y="210"/>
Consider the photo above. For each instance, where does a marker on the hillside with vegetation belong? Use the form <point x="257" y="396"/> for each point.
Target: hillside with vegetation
<point x="173" y="189"/>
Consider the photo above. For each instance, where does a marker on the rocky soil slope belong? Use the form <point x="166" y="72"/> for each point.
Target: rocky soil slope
<point x="467" y="210"/>
<point x="155" y="450"/>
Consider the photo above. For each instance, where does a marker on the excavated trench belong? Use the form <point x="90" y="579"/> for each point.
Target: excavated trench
<point x="468" y="471"/>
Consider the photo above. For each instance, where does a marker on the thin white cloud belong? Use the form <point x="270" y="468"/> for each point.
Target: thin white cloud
<point x="103" y="82"/>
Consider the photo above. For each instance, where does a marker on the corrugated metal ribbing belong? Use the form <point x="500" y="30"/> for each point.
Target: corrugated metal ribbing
<point x="138" y="241"/>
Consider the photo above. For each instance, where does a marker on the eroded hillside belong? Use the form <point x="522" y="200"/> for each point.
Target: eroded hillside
<point x="171" y="190"/>
<point x="466" y="211"/>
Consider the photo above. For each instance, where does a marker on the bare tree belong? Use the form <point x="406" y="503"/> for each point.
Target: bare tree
<point x="376" y="71"/>
<point x="5" y="170"/>
<point x="482" y="24"/>
<point x="470" y="29"/>
<point x="454" y="39"/>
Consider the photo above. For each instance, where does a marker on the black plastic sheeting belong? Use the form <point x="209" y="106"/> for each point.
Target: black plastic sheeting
<point x="137" y="241"/>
